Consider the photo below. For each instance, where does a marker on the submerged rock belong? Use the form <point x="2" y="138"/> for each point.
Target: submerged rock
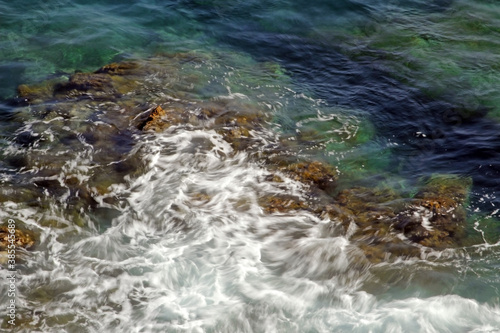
<point x="92" y="120"/>
<point x="121" y="68"/>
<point x="36" y="93"/>
<point x="371" y="213"/>
<point x="321" y="175"/>
<point x="282" y="204"/>
<point x="436" y="216"/>
<point x="81" y="84"/>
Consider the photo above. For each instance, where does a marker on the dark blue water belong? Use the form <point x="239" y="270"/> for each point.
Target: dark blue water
<point x="424" y="75"/>
<point x="43" y="40"/>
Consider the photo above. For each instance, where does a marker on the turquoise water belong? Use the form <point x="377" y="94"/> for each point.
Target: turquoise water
<point x="385" y="91"/>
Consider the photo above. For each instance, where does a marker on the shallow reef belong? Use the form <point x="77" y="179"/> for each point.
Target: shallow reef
<point x="81" y="135"/>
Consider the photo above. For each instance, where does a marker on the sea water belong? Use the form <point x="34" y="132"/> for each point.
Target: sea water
<point x="386" y="91"/>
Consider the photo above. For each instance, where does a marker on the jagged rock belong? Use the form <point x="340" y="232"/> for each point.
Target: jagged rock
<point x="370" y="212"/>
<point x="245" y="117"/>
<point x="239" y="137"/>
<point x="361" y="199"/>
<point x="274" y="178"/>
<point x="377" y="249"/>
<point x="154" y="121"/>
<point x="434" y="217"/>
<point x="106" y="81"/>
<point x="446" y="190"/>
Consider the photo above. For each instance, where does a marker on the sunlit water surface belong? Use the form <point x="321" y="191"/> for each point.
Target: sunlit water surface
<point x="394" y="90"/>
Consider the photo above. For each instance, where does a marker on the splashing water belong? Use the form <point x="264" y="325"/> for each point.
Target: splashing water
<point x="166" y="231"/>
<point x="190" y="250"/>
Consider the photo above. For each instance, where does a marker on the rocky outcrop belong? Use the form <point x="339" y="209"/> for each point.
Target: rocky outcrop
<point x="101" y="114"/>
<point x="436" y="216"/>
<point x="321" y="175"/>
<point x="154" y="121"/>
<point x="282" y="204"/>
<point x="23" y="239"/>
<point x="81" y="84"/>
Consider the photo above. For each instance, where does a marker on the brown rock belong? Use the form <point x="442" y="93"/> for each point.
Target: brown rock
<point x="36" y="92"/>
<point x="23" y="239"/>
<point x="436" y="217"/>
<point x="281" y="204"/>
<point x="378" y="250"/>
<point x="154" y="121"/>
<point x="274" y="178"/>
<point x="121" y="68"/>
<point x="84" y="82"/>
<point x="317" y="173"/>
<point x="238" y="137"/>
<point x="362" y="199"/>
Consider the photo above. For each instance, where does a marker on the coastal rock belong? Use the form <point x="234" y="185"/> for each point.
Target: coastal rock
<point x="81" y="84"/>
<point x="121" y="68"/>
<point x="236" y="122"/>
<point x="436" y="216"/>
<point x="282" y="204"/>
<point x="239" y="137"/>
<point x="372" y="217"/>
<point x="95" y="117"/>
<point x="367" y="203"/>
<point x="317" y="173"/>
<point x="22" y="240"/>
<point x="109" y="80"/>
<point x="36" y="93"/>
<point x="378" y="250"/>
<point x="89" y="122"/>
<point x="274" y="178"/>
<point x="154" y="121"/>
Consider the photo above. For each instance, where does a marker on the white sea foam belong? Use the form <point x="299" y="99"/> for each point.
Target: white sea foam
<point x="190" y="250"/>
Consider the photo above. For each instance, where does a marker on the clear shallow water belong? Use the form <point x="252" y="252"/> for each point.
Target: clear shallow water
<point x="395" y="90"/>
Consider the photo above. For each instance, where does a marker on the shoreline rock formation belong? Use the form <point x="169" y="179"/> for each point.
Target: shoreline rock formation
<point x="100" y="115"/>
